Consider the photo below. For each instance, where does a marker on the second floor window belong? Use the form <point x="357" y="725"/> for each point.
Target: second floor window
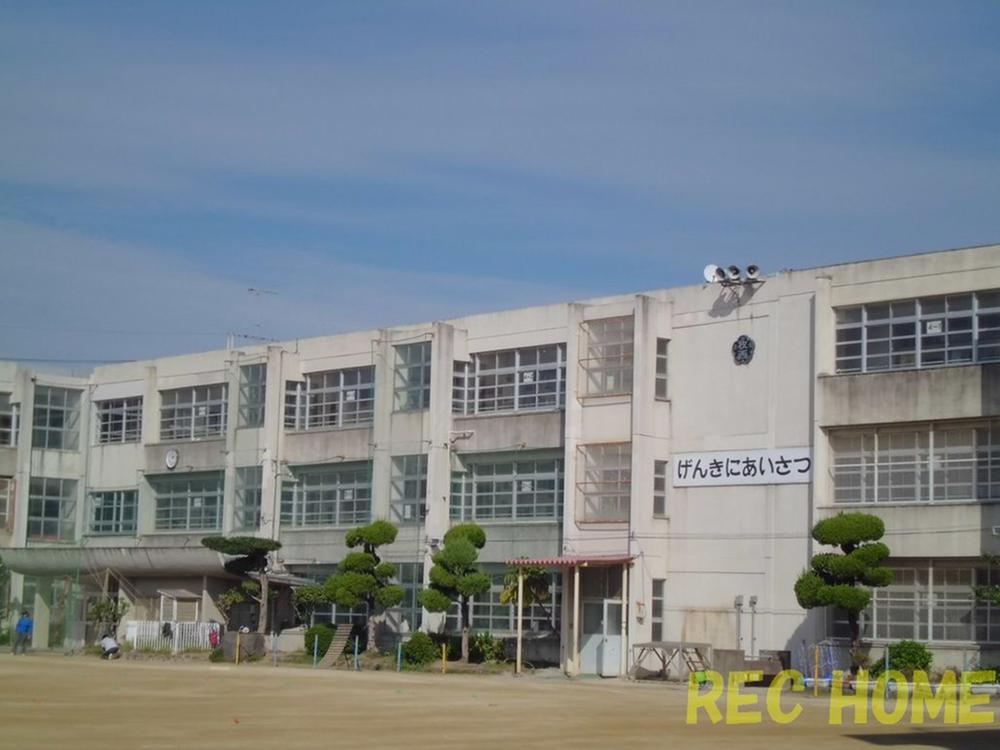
<point x="412" y="376"/>
<point x="408" y="491"/>
<point x="511" y="380"/>
<point x="193" y="413"/>
<point x="606" y="482"/>
<point x="333" y="398"/>
<point x="503" y="489"/>
<point x="661" y="368"/>
<point x="113" y="512"/>
<point x="189" y="502"/>
<point x="56" y="419"/>
<point x="247" y="513"/>
<point x="944" y="462"/>
<point x="119" y="420"/>
<point x="927" y="332"/>
<point x="51" y="509"/>
<point x="659" y="488"/>
<point x="333" y="495"/>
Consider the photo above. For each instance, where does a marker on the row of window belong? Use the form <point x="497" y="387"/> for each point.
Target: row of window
<point x="189" y="502"/>
<point x="926" y="332"/>
<point x="929" y="603"/>
<point x="943" y="462"/>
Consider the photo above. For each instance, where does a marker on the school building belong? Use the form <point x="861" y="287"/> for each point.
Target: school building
<point x="664" y="453"/>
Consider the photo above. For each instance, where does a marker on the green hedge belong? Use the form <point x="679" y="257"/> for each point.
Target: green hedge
<point x="420" y="649"/>
<point x="324" y="632"/>
<point x="905" y="657"/>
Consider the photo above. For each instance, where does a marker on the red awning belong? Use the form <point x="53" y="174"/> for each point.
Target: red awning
<point x="573" y="561"/>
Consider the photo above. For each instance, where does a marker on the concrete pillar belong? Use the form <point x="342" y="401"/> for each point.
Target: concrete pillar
<point x="41" y="613"/>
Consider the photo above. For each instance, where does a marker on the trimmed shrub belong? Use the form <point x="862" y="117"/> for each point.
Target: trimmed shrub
<point x="324" y="632"/>
<point x="485" y="647"/>
<point x="905" y="657"/>
<point x="420" y="649"/>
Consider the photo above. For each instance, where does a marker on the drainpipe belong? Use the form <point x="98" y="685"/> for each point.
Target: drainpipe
<point x="738" y="606"/>
<point x="753" y="628"/>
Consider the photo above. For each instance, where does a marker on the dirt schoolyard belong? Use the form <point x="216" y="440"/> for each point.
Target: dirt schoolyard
<point x="79" y="703"/>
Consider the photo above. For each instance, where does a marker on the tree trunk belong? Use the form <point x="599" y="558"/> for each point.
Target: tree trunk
<point x="262" y="622"/>
<point x="465" y="631"/>
<point x="855" y="626"/>
<point x="370" y="646"/>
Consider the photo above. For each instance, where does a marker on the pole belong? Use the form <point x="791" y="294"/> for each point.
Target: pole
<point x="623" y="666"/>
<point x="444" y="657"/>
<point x="315" y="649"/>
<point x="238" y="634"/>
<point x="816" y="670"/>
<point x="576" y="620"/>
<point x="399" y="656"/>
<point x="357" y="638"/>
<point x="520" y="614"/>
<point x="274" y="650"/>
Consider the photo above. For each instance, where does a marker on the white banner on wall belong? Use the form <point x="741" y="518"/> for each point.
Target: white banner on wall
<point x="777" y="466"/>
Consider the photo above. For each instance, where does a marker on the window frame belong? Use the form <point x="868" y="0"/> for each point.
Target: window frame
<point x="408" y="489"/>
<point x="42" y="498"/>
<point x="603" y="485"/>
<point x="248" y="498"/>
<point x="607" y="356"/>
<point x="212" y="399"/>
<point x="904" y="339"/>
<point x="656" y="608"/>
<point x="8" y="420"/>
<point x="522" y="381"/>
<point x="469" y="488"/>
<point x="661" y="477"/>
<point x="339" y="503"/>
<point x="411" y="379"/>
<point x="168" y="501"/>
<point x="119" y="420"/>
<point x="662" y="354"/>
<point x="318" y="403"/>
<point x="119" y="523"/>
<point x="64" y="436"/>
<point x="253" y="395"/>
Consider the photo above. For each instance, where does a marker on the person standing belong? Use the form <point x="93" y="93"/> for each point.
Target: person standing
<point x="22" y="631"/>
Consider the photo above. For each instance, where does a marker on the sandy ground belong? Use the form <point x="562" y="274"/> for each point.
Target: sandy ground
<point x="78" y="703"/>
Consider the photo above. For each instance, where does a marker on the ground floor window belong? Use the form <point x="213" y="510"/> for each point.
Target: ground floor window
<point x="656" y="609"/>
<point x="930" y="602"/>
<point x="489" y="615"/>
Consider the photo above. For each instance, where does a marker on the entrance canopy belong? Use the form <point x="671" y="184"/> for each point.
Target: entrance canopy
<point x="573" y="561"/>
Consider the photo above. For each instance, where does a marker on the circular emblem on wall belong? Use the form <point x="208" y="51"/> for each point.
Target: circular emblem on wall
<point x="743" y="349"/>
<point x="171" y="458"/>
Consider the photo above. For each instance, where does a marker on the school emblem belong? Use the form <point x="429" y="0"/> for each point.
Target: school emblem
<point x="743" y="349"/>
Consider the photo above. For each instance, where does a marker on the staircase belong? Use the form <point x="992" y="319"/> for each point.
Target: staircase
<point x="337" y="646"/>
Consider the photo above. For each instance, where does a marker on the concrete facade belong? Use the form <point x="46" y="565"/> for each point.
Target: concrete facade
<point x="710" y="545"/>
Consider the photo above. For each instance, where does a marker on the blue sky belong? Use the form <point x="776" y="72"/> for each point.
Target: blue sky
<point x="378" y="163"/>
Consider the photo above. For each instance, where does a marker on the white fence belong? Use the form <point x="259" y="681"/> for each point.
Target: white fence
<point x="181" y="636"/>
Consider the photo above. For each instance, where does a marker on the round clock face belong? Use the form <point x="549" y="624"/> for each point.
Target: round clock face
<point x="171" y="458"/>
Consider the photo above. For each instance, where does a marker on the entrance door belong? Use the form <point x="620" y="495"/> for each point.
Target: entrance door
<point x="611" y="648"/>
<point x="601" y="649"/>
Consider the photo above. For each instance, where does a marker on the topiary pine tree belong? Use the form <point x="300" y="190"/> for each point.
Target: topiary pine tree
<point x="455" y="577"/>
<point x="843" y="579"/>
<point x="362" y="577"/>
<point x="253" y="555"/>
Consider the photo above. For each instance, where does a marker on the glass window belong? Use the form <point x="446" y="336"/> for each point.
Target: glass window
<point x="511" y="380"/>
<point x="606" y="482"/>
<point x="8" y="421"/>
<point x="51" y="509"/>
<point x="407" y="617"/>
<point x="119" y="420"/>
<point x="332" y="495"/>
<point x="6" y="498"/>
<point x="189" y="502"/>
<point x="930" y="604"/>
<point x="946" y="462"/>
<point x="659" y="488"/>
<point x="193" y="413"/>
<point x="333" y="398"/>
<point x="656" y="609"/>
<point x="524" y="487"/>
<point x="661" y="368"/>
<point x="412" y="377"/>
<point x="606" y="356"/>
<point x="253" y="392"/>
<point x="56" y="419"/>
<point x="408" y="492"/>
<point x="246" y="514"/>
<point x="113" y="512"/>
<point x="927" y="332"/>
<point x="489" y="615"/>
